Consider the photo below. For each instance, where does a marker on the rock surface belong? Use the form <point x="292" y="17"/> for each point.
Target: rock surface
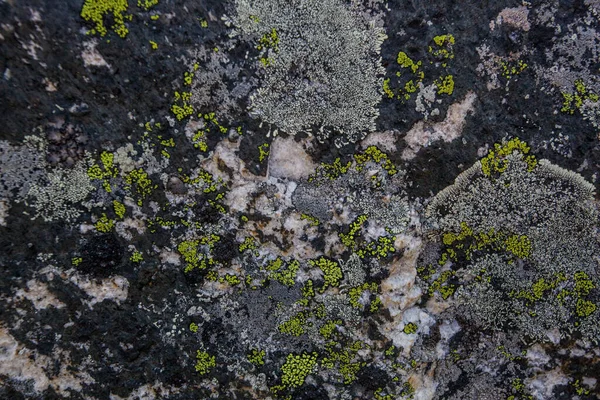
<point x="269" y="199"/>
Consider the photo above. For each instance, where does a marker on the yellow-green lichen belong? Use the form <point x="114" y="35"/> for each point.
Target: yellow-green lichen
<point x="343" y="357"/>
<point x="269" y="40"/>
<point x="406" y="62"/>
<point x="349" y="239"/>
<point x="192" y="257"/>
<point x="119" y="209"/>
<point x="104" y="224"/>
<point x="249" y="243"/>
<point x="297" y="368"/>
<point x="139" y="179"/>
<point x="386" y="88"/>
<point x="308" y="292"/>
<point x="199" y="141"/>
<point x="106" y="172"/>
<point x="136" y="257"/>
<point x="495" y="161"/>
<point x="442" y="286"/>
<point x="410" y="328"/>
<point x="332" y="273"/>
<point x="380" y="248"/>
<point x="204" y="362"/>
<point x="331" y="171"/>
<point x="445" y="84"/>
<point x="256" y="357"/>
<point x="373" y="154"/>
<point x="510" y="69"/>
<point x="263" y="150"/>
<point x="584" y="308"/>
<point x="212" y="118"/>
<point x="391" y="351"/>
<point x="295" y="325"/>
<point x="147" y="4"/>
<point x="181" y="106"/>
<point x="380" y="396"/>
<point x="313" y="220"/>
<point x="443" y="48"/>
<point x="329" y="327"/>
<point x="96" y="10"/>
<point x="573" y="101"/>
<point x="232" y="279"/>
<point x="519" y="245"/>
<point x="355" y="293"/>
<point x="285" y="276"/>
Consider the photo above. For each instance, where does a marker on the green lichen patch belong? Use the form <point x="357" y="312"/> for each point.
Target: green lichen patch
<point x="204" y="362"/>
<point x="96" y="10"/>
<point x="332" y="273"/>
<point x="414" y="77"/>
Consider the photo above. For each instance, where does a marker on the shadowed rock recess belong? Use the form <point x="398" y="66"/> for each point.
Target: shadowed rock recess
<point x="299" y="199"/>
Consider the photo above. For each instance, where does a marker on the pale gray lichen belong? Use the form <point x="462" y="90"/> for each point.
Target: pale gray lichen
<point x="322" y="68"/>
<point x="353" y="270"/>
<point x="550" y="278"/>
<point x="21" y="166"/>
<point x="213" y="73"/>
<point x="58" y="198"/>
<point x="368" y="189"/>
